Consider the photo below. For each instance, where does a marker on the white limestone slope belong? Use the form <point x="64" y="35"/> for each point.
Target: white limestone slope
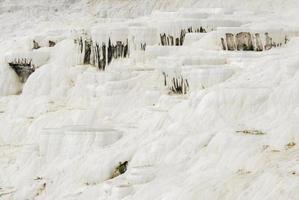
<point x="234" y="135"/>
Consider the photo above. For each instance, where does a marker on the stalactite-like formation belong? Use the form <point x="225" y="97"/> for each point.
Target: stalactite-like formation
<point x="163" y="39"/>
<point x="177" y="85"/>
<point x="87" y="52"/>
<point x="110" y="52"/>
<point x="101" y="55"/>
<point x="182" y="37"/>
<point x="169" y="40"/>
<point x="258" y="42"/>
<point x="202" y="30"/>
<point x="245" y="41"/>
<point x="143" y="46"/>
<point x="269" y="43"/>
<point x="177" y="42"/>
<point x="23" y="67"/>
<point x="165" y="78"/>
<point x="118" y="50"/>
<point x="223" y="44"/>
<point x="230" y="41"/>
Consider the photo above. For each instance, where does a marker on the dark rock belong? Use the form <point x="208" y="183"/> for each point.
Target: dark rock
<point x="120" y="169"/>
<point x="52" y="43"/>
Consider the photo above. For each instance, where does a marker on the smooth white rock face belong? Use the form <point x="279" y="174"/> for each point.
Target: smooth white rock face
<point x="9" y="81"/>
<point x="233" y="135"/>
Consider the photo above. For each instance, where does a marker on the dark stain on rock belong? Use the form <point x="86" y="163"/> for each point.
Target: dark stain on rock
<point x="23" y="68"/>
<point x="244" y="41"/>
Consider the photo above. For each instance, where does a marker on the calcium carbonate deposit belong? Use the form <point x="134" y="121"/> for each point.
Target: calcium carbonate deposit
<point x="149" y="100"/>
